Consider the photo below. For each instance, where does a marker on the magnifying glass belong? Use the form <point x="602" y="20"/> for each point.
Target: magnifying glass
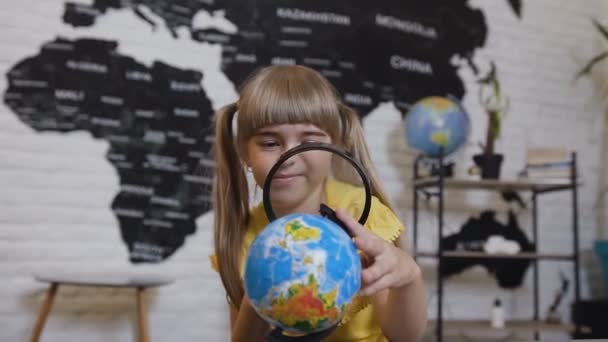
<point x="277" y="334"/>
<point x="324" y="209"/>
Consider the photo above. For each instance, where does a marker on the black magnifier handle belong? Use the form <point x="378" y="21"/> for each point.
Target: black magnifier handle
<point x="276" y="335"/>
<point x="329" y="213"/>
<point x="324" y="210"/>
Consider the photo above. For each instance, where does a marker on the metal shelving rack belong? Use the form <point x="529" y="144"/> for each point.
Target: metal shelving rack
<point x="435" y="187"/>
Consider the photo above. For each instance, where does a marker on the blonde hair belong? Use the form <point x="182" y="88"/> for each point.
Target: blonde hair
<point x="275" y="95"/>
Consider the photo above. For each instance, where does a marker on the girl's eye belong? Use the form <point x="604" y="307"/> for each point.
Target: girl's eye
<point x="268" y="144"/>
<point x="315" y="139"/>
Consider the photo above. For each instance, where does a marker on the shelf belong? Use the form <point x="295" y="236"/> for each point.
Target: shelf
<point x="538" y="185"/>
<point x="482" y="255"/>
<point x="426" y="187"/>
<point x="510" y="326"/>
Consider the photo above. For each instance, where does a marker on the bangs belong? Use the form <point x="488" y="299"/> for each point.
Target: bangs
<point x="281" y="95"/>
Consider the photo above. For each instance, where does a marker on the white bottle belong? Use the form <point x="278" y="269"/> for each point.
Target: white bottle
<point x="498" y="315"/>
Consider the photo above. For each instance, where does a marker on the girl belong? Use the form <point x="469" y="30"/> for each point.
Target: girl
<point x="279" y="108"/>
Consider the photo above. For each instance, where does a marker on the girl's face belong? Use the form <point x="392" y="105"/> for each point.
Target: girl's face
<point x="298" y="184"/>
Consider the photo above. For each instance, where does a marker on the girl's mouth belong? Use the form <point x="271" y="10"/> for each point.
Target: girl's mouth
<point x="284" y="179"/>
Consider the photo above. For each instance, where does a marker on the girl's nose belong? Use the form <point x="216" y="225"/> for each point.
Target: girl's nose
<point x="289" y="162"/>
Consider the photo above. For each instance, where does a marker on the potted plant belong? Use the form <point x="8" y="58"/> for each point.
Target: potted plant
<point x="496" y="105"/>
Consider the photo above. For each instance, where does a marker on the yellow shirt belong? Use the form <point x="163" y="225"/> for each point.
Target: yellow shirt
<point x="359" y="323"/>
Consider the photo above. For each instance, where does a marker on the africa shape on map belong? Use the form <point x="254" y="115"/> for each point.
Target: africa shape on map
<point x="157" y="118"/>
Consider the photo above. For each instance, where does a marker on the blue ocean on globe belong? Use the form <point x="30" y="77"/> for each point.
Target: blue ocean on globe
<point x="301" y="272"/>
<point x="435" y="122"/>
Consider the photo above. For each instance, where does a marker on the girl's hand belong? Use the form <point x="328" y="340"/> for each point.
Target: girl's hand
<point x="387" y="266"/>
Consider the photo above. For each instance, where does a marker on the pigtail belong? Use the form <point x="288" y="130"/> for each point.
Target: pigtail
<point x="354" y="139"/>
<point x="231" y="204"/>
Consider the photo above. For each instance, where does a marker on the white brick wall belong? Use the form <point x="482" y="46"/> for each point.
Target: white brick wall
<point x="56" y="188"/>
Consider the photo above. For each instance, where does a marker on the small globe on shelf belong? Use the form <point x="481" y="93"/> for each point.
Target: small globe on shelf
<point x="301" y="273"/>
<point x="437" y="125"/>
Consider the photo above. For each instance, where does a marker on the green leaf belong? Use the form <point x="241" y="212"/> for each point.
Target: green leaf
<point x="585" y="70"/>
<point x="601" y="28"/>
<point x="496" y="86"/>
<point x="494" y="117"/>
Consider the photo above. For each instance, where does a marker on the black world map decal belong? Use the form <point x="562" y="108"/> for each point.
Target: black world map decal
<point x="157" y="119"/>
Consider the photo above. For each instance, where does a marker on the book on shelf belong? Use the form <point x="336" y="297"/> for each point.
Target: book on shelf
<point x="535" y="173"/>
<point x="548" y="156"/>
<point x="547" y="162"/>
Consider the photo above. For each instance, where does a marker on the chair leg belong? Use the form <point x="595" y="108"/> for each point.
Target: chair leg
<point x="44" y="312"/>
<point x="142" y="318"/>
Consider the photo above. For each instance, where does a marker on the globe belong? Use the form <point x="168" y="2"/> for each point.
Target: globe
<point x="301" y="273"/>
<point x="436" y="122"/>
